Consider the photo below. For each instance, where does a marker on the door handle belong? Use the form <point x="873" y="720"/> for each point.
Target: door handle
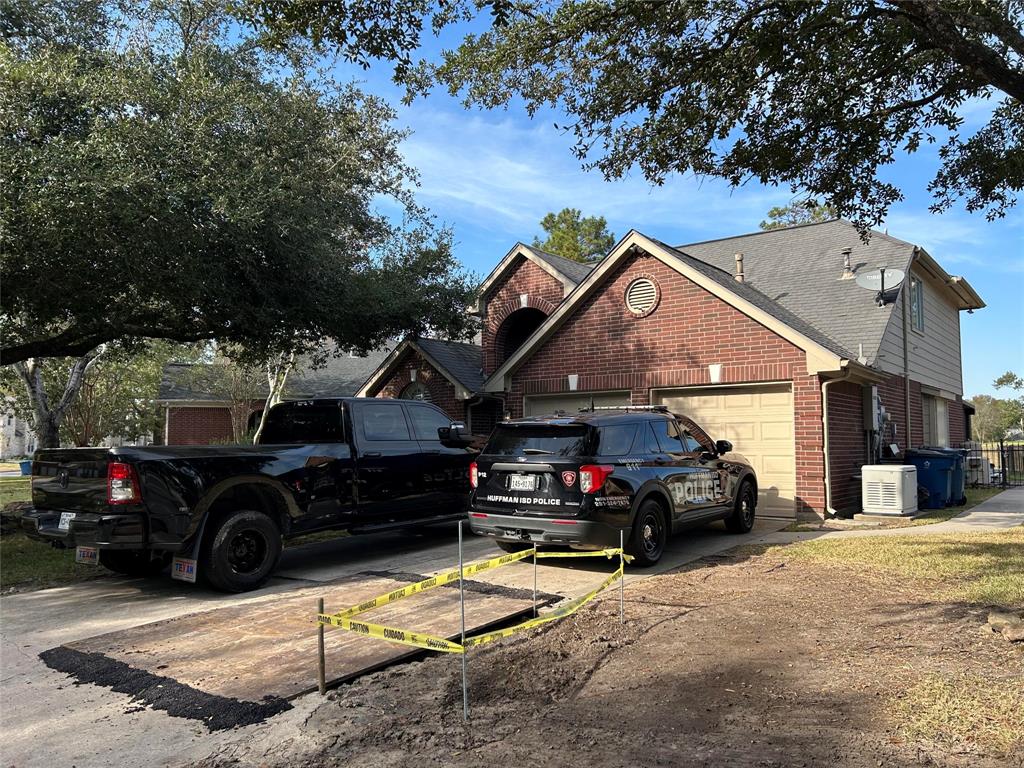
<point x="372" y="454"/>
<point x="660" y="460"/>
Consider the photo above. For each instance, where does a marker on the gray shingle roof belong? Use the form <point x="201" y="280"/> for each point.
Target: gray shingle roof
<point x="463" y="361"/>
<point x="339" y="377"/>
<point x="573" y="270"/>
<point x="799" y="270"/>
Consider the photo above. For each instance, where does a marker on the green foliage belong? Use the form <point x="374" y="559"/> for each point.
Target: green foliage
<point x="166" y="178"/>
<point x="993" y="417"/>
<point x="574" y="237"/>
<point x="796" y="213"/>
<point x="817" y="96"/>
<point x="1014" y="407"/>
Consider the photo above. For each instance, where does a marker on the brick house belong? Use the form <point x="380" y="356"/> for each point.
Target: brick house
<point x="766" y="339"/>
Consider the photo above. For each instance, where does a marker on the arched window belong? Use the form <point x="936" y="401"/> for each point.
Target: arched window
<point x="416" y="390"/>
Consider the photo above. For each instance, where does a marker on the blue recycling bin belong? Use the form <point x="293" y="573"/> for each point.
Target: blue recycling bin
<point x="934" y="473"/>
<point x="958" y="481"/>
<point x="26" y="467"/>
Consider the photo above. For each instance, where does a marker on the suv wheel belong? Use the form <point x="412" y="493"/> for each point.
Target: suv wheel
<point x="135" y="562"/>
<point x="742" y="518"/>
<point x="650" y="534"/>
<point x="241" y="551"/>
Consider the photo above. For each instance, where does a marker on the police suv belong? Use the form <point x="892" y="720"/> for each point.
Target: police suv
<point x="579" y="481"/>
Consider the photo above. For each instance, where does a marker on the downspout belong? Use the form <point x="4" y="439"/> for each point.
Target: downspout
<point x="906" y="348"/>
<point x="824" y="443"/>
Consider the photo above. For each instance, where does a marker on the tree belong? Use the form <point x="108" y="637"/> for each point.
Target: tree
<point x="165" y="177"/>
<point x="239" y="384"/>
<point x="574" y="237"/>
<point x="989" y="422"/>
<point x="1015" y="405"/>
<point x="796" y="213"/>
<point x="817" y="96"/>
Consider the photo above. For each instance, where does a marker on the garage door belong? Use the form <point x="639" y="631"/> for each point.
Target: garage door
<point x="547" y="404"/>
<point x="758" y="421"/>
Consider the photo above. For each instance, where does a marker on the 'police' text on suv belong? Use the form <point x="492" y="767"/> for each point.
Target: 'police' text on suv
<point x="579" y="480"/>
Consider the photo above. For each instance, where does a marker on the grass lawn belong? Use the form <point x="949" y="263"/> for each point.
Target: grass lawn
<point x="15" y="489"/>
<point x="10" y="466"/>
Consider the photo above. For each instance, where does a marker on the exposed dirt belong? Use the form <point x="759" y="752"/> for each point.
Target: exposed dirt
<point x="732" y="662"/>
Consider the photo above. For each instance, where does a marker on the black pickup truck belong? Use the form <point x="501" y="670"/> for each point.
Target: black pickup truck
<point x="221" y="512"/>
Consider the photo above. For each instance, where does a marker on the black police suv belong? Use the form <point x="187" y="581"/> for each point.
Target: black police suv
<point x="578" y="481"/>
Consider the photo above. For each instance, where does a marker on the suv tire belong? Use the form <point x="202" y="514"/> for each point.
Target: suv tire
<point x="241" y="551"/>
<point x="135" y="562"/>
<point x="742" y="518"/>
<point x="649" y="535"/>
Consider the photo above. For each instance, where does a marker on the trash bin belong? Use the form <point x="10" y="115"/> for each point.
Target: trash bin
<point x="26" y="467"/>
<point x="934" y="474"/>
<point x="957" y="484"/>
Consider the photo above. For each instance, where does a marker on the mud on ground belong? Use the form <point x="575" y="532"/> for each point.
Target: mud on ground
<point x="732" y="662"/>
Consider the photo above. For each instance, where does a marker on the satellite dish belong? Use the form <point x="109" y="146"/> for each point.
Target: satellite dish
<point x="880" y="279"/>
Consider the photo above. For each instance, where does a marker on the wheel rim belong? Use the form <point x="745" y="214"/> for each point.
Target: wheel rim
<point x="247" y="551"/>
<point x="651" y="533"/>
<point x="747" y="507"/>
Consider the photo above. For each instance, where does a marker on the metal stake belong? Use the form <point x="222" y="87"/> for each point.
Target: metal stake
<point x="462" y="608"/>
<point x="321" y="673"/>
<point x="535" y="581"/>
<point x="622" y="577"/>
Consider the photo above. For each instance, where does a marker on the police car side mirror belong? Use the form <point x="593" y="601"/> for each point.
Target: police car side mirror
<point x="454" y="435"/>
<point x="723" y="446"/>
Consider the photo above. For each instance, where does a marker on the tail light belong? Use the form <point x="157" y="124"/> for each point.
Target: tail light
<point x="473" y="477"/>
<point x="122" y="484"/>
<point x="592" y="477"/>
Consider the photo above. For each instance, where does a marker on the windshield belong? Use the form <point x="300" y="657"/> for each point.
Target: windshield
<point x="507" y="440"/>
<point x="302" y="423"/>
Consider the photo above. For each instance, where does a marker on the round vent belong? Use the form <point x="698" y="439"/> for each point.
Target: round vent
<point x="641" y="296"/>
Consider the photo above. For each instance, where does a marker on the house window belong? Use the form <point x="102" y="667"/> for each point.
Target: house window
<point x="936" y="421"/>
<point x="917" y="304"/>
<point x="417" y="390"/>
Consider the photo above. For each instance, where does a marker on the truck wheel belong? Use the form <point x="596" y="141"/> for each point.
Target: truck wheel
<point x="241" y="551"/>
<point x="650" y="534"/>
<point x="742" y="518"/>
<point x="135" y="562"/>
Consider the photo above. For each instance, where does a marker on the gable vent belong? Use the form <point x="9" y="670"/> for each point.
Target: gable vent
<point x="641" y="296"/>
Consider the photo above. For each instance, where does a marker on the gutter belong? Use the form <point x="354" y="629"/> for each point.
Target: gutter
<point x="847" y="374"/>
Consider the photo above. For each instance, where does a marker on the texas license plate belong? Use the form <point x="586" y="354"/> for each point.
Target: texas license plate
<point x="65" y="520"/>
<point x="87" y="555"/>
<point x="522" y="482"/>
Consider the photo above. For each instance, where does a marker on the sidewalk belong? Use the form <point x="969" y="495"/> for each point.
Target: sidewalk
<point x="1002" y="511"/>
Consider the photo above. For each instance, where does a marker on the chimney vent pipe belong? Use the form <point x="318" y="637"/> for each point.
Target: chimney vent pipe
<point x="739" y="268"/>
<point x="847" y="267"/>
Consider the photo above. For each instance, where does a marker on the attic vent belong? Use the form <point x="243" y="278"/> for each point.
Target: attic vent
<point x="641" y="296"/>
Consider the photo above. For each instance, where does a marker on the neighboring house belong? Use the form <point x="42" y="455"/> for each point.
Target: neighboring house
<point x="766" y="339"/>
<point x="197" y="417"/>
<point x="16" y="435"/>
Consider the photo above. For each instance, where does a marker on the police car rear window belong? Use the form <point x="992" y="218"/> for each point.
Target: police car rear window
<point x="538" y="441"/>
<point x="615" y="440"/>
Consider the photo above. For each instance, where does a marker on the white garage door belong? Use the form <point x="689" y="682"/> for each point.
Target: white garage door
<point x="543" y="405"/>
<point x="758" y="421"/>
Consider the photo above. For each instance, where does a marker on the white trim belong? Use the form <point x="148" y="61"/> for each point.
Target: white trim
<point x="818" y="358"/>
<point x="737" y="385"/>
<point x="519" y="249"/>
<point x="387" y="367"/>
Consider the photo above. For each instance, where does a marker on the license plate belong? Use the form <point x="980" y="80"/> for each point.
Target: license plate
<point x="87" y="555"/>
<point x="65" y="520"/>
<point x="183" y="569"/>
<point x="522" y="482"/>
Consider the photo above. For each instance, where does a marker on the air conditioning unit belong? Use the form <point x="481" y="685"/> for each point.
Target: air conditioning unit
<point x="979" y="470"/>
<point x="889" y="489"/>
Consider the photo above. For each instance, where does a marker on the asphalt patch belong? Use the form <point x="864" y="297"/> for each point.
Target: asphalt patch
<point x="480" y="587"/>
<point x="217" y="713"/>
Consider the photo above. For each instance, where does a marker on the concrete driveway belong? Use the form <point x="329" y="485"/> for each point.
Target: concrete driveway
<point x="49" y="720"/>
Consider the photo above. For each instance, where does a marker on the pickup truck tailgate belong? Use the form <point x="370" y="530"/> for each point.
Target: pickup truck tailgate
<point x="72" y="479"/>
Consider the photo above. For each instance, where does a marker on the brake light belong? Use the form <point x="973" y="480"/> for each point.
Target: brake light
<point x="122" y="484"/>
<point x="592" y="477"/>
<point x="472" y="475"/>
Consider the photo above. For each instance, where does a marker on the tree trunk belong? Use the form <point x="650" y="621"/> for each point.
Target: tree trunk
<point x="277" y="377"/>
<point x="46" y="421"/>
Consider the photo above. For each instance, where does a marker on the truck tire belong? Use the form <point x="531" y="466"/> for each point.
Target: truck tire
<point x="649" y="535"/>
<point x="742" y="518"/>
<point x="240" y="551"/>
<point x="135" y="562"/>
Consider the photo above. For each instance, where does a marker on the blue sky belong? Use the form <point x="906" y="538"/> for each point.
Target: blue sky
<point x="492" y="175"/>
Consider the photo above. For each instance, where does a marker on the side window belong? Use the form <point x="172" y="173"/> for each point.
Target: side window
<point x="384" y="422"/>
<point x="426" y="421"/>
<point x="691" y="444"/>
<point x="649" y="440"/>
<point x="616" y="440"/>
<point x="669" y="436"/>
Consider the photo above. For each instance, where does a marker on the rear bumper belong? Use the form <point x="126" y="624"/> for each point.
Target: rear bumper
<point x="87" y="529"/>
<point x="579" y="534"/>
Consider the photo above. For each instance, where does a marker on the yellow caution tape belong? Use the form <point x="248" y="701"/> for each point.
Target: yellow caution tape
<point x="343" y="619"/>
<point x="403" y="636"/>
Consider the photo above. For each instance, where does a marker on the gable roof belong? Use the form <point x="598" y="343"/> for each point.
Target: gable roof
<point x="459" y="362"/>
<point x="823" y="354"/>
<point x="799" y="269"/>
<point x="339" y="377"/>
<point x="574" y="270"/>
<point x="566" y="271"/>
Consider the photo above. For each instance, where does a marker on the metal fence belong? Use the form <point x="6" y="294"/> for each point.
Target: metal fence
<point x="994" y="464"/>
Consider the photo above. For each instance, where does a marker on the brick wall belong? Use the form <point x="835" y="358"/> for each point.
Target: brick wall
<point x="847" y="444"/>
<point x="442" y="391"/>
<point x="543" y="292"/>
<point x="609" y="348"/>
<point x="198" y="426"/>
